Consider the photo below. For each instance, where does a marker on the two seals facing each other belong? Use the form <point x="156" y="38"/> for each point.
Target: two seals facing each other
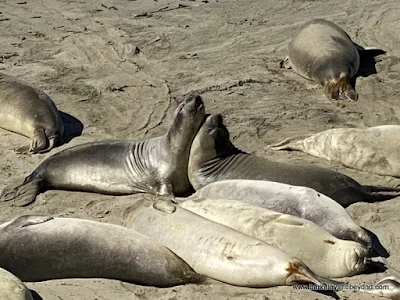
<point x="37" y="248"/>
<point x="323" y="52"/>
<point x="217" y="251"/>
<point x="158" y="165"/>
<point x="213" y="157"/>
<point x="373" y="149"/>
<point x="326" y="255"/>
<point x="29" y="112"/>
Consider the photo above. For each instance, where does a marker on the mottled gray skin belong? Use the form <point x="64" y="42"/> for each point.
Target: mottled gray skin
<point x="298" y="201"/>
<point x="12" y="288"/>
<point x="158" y="165"/>
<point x="37" y="248"/>
<point x="213" y="158"/>
<point x="323" y="52"/>
<point x="29" y="112"/>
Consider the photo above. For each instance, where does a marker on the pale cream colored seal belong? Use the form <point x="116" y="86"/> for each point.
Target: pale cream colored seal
<point x="12" y="288"/>
<point x="217" y="251"/>
<point x="373" y="149"/>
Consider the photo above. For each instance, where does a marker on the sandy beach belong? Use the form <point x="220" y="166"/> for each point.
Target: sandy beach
<point x="117" y="69"/>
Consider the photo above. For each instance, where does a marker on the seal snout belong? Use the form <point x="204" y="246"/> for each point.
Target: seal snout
<point x="215" y="120"/>
<point x="193" y="104"/>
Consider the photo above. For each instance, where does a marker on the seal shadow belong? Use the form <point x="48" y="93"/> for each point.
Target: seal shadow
<point x="35" y="295"/>
<point x="377" y="248"/>
<point x="367" y="62"/>
<point x="72" y="127"/>
<point x="375" y="267"/>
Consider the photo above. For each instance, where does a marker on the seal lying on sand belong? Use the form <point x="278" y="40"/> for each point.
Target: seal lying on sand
<point x="388" y="287"/>
<point x="297" y="201"/>
<point x="373" y="149"/>
<point x="213" y="157"/>
<point x="29" y="112"/>
<point x="12" y="288"/>
<point x="326" y="255"/>
<point x="157" y="165"/>
<point x="37" y="248"/>
<point x="323" y="52"/>
<point x="218" y="251"/>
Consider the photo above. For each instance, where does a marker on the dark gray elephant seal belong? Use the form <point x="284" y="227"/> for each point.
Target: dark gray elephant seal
<point x="157" y="165"/>
<point x="37" y="248"/>
<point x="29" y="112"/>
<point x="323" y="52"/>
<point x="213" y="158"/>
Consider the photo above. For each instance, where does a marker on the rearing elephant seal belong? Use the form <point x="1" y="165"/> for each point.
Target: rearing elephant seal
<point x="157" y="165"/>
<point x="213" y="158"/>
<point x="37" y="248"/>
<point x="323" y="52"/>
<point x="12" y="288"/>
<point x="29" y="112"/>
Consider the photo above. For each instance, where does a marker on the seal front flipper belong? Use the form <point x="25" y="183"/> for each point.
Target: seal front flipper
<point x="340" y="89"/>
<point x="28" y="220"/>
<point x="22" y="194"/>
<point x="285" y="63"/>
<point x="165" y="207"/>
<point x="292" y="143"/>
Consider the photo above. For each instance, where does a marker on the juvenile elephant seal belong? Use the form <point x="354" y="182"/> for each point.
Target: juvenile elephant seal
<point x="373" y="149"/>
<point x="158" y="165"/>
<point x="326" y="255"/>
<point x="29" y="112"/>
<point x="12" y="288"/>
<point x="388" y="287"/>
<point x="297" y="201"/>
<point x="323" y="52"/>
<point x="213" y="157"/>
<point x="218" y="251"/>
<point x="37" y="248"/>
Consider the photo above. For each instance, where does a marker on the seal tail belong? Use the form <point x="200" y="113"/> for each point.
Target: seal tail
<point x="22" y="194"/>
<point x="292" y="143"/>
<point x="300" y="273"/>
<point x="380" y="193"/>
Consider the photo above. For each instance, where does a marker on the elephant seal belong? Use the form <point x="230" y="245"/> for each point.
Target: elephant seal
<point x="326" y="255"/>
<point x="373" y="149"/>
<point x="298" y="201"/>
<point x="323" y="52"/>
<point x="158" y="165"/>
<point x="12" y="288"/>
<point x="37" y="248"/>
<point x="213" y="157"/>
<point x="388" y="287"/>
<point x="217" y="251"/>
<point x="30" y="112"/>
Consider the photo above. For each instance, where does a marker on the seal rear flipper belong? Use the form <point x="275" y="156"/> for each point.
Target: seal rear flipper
<point x="28" y="220"/>
<point x="22" y="194"/>
<point x="300" y="273"/>
<point x="292" y="143"/>
<point x="340" y="89"/>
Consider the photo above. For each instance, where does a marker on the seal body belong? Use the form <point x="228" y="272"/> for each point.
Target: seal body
<point x="323" y="52"/>
<point x="326" y="255"/>
<point x="37" y="248"/>
<point x="158" y="165"/>
<point x="218" y="251"/>
<point x="29" y="112"/>
<point x="213" y="158"/>
<point x="12" y="288"/>
<point x="373" y="149"/>
<point x="301" y="202"/>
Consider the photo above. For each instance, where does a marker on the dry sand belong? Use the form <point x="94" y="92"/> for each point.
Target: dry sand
<point x="120" y="67"/>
